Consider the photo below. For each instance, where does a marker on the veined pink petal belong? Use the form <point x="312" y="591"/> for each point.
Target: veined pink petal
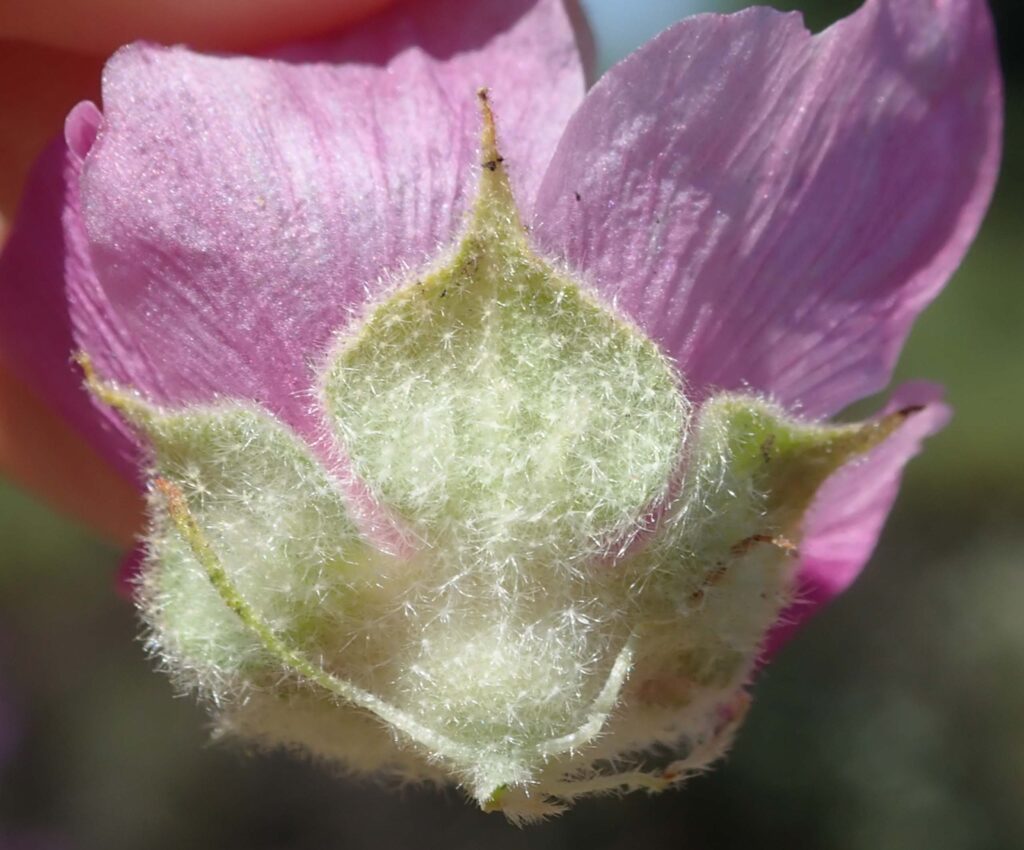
<point x="36" y="335"/>
<point x="776" y="208"/>
<point x="846" y="518"/>
<point x="239" y="211"/>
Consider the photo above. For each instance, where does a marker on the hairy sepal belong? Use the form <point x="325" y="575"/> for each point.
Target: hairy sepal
<point x="596" y="568"/>
<point x="515" y="688"/>
<point x="508" y="416"/>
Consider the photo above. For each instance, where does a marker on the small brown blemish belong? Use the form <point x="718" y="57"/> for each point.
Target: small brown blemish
<point x="879" y="429"/>
<point x="713" y="578"/>
<point x="909" y="410"/>
<point x="492" y="164"/>
<point x="716" y="575"/>
<point x="766" y="448"/>
<point x="749" y="543"/>
<point x="578" y="196"/>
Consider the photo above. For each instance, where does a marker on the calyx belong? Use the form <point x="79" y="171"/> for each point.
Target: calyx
<point x="596" y="562"/>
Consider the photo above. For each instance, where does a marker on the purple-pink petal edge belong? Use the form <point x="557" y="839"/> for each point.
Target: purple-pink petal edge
<point x="774" y="208"/>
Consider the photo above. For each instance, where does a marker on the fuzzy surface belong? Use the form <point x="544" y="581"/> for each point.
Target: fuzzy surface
<point x="763" y="203"/>
<point x="569" y="605"/>
<point x="440" y="494"/>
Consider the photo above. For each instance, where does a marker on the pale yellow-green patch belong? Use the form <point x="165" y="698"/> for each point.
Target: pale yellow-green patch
<point x="722" y="564"/>
<point x="565" y="610"/>
<point x="259" y="498"/>
<point x="504" y="412"/>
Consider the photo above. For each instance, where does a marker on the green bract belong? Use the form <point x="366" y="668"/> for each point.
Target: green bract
<point x="592" y="567"/>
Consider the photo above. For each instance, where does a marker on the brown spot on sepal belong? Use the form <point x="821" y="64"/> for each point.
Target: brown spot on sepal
<point x="777" y="540"/>
<point x="909" y="410"/>
<point x="712" y="579"/>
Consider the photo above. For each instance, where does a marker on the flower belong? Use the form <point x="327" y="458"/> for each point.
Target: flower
<point x="482" y="420"/>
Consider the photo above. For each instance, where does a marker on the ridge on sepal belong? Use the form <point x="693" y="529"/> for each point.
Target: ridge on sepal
<point x="543" y="635"/>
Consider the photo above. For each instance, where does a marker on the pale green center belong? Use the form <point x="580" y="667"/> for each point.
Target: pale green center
<point x="499" y="408"/>
<point x="526" y="434"/>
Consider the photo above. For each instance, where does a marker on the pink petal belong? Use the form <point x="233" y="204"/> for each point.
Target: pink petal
<point x="240" y="211"/>
<point x="129" y="570"/>
<point x="776" y="208"/>
<point x="36" y="338"/>
<point x="843" y="525"/>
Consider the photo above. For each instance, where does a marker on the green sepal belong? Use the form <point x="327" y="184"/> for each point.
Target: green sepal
<point x="503" y="412"/>
<point x="530" y="437"/>
<point x="267" y="507"/>
<point x="722" y="562"/>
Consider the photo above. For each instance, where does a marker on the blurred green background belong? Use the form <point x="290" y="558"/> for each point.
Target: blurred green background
<point x="895" y="720"/>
